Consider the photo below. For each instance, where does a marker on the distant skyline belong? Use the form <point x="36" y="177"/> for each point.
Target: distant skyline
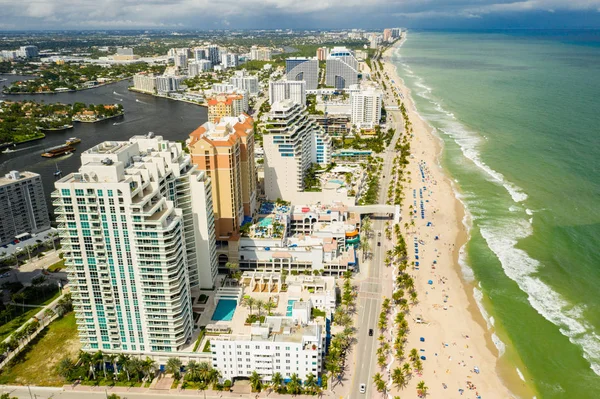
<point x="296" y="14"/>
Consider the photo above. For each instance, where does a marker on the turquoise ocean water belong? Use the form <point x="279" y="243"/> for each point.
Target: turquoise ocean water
<point x="520" y="119"/>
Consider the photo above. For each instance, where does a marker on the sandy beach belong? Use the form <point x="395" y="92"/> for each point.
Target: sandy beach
<point x="461" y="360"/>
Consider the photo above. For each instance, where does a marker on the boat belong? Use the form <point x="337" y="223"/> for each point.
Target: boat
<point x="73" y="140"/>
<point x="7" y="151"/>
<point x="58" y="151"/>
<point x="58" y="172"/>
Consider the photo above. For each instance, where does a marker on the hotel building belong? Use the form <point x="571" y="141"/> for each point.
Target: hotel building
<point x="293" y="143"/>
<point x="306" y="69"/>
<point x="241" y="80"/>
<point x="342" y="68"/>
<point x="137" y="233"/>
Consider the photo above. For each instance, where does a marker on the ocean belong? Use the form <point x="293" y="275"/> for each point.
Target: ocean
<point x="518" y="114"/>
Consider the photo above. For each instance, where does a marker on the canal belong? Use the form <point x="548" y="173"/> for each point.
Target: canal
<point x="174" y="120"/>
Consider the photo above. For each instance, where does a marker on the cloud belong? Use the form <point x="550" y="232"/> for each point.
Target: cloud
<point x="264" y="13"/>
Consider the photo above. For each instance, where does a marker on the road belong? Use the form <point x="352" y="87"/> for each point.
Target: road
<point x="373" y="286"/>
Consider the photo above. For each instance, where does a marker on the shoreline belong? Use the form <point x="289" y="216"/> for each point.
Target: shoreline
<point x="204" y="104"/>
<point x="461" y="316"/>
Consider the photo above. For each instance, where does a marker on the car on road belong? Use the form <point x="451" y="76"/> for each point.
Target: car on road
<point x="370" y="332"/>
<point x="362" y="388"/>
<point x="7" y="274"/>
<point x="379" y="243"/>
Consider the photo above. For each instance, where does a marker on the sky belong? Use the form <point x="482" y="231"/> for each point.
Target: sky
<point x="297" y="14"/>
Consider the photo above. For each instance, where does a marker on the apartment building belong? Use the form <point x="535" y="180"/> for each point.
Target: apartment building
<point x="22" y="205"/>
<point x="306" y="69"/>
<point x="285" y="345"/>
<point x="260" y="53"/>
<point x="225" y="151"/>
<point x="144" y="82"/>
<point x="387" y="35"/>
<point x="243" y="81"/>
<point x="287" y="90"/>
<point x="168" y="84"/>
<point x="293" y="143"/>
<point x="341" y="68"/>
<point x="222" y="105"/>
<point x="137" y="233"/>
<point x="213" y="54"/>
<point x="322" y="53"/>
<point x="366" y="108"/>
<point x="229" y="60"/>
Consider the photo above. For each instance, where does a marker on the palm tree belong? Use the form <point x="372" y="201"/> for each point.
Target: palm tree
<point x="30" y="248"/>
<point x="88" y="360"/>
<point x="294" y="386"/>
<point x="255" y="382"/>
<point x="204" y="370"/>
<point x="250" y="302"/>
<point x="269" y="305"/>
<point x="422" y="389"/>
<point x="311" y="383"/>
<point x="193" y="370"/>
<point x="277" y="381"/>
<point x="174" y="367"/>
<point x="259" y="305"/>
<point x="406" y="368"/>
<point x="398" y="378"/>
<point x="148" y="368"/>
<point x="52" y="238"/>
<point x="48" y="314"/>
<point x="98" y="359"/>
<point x="414" y="355"/>
<point x="65" y="368"/>
<point x="379" y="383"/>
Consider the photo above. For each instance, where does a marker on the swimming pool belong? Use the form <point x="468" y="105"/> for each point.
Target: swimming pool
<point x="224" y="310"/>
<point x="337" y="181"/>
<point x="290" y="306"/>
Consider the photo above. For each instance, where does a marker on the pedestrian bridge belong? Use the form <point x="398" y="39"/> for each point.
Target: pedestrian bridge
<point x="377" y="209"/>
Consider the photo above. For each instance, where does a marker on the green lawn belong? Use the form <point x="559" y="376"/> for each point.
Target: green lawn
<point x="57" y="266"/>
<point x="36" y="365"/>
<point x="9" y="327"/>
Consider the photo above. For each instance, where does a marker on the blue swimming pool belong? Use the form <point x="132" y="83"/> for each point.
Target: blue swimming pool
<point x="290" y="306"/>
<point x="224" y="310"/>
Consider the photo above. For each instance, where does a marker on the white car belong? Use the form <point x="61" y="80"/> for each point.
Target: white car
<point x="362" y="388"/>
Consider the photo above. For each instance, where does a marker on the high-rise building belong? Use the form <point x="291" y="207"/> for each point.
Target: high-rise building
<point x="229" y="60"/>
<point x="287" y="89"/>
<point x="22" y="205"/>
<point x="306" y="69"/>
<point x="167" y="84"/>
<point x="342" y="68"/>
<point x="213" y="54"/>
<point x="225" y="151"/>
<point x="366" y="108"/>
<point x="260" y="53"/>
<point x="181" y="60"/>
<point x="144" y="82"/>
<point x="28" y="51"/>
<point x="223" y="104"/>
<point x="387" y="35"/>
<point x="396" y="33"/>
<point x="374" y="41"/>
<point x="243" y="81"/>
<point x="200" y="53"/>
<point x="137" y="233"/>
<point x="322" y="53"/>
<point x="290" y="148"/>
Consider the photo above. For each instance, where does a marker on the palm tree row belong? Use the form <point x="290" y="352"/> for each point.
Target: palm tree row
<point x="294" y="386"/>
<point x="89" y="367"/>
<point x="259" y="304"/>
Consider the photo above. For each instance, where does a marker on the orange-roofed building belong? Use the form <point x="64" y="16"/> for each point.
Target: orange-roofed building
<point x="225" y="150"/>
<point x="223" y="105"/>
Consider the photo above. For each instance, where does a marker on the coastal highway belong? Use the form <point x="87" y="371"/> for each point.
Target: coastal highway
<point x="372" y="285"/>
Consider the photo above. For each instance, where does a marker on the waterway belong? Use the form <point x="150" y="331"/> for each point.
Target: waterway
<point x="174" y="120"/>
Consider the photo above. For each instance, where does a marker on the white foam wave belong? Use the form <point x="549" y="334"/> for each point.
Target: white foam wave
<point x="478" y="295"/>
<point x="468" y="142"/>
<point x="521" y="376"/>
<point x="518" y="266"/>
<point x="499" y="344"/>
<point x="513" y="208"/>
<point x="492" y="320"/>
<point x="529" y="211"/>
